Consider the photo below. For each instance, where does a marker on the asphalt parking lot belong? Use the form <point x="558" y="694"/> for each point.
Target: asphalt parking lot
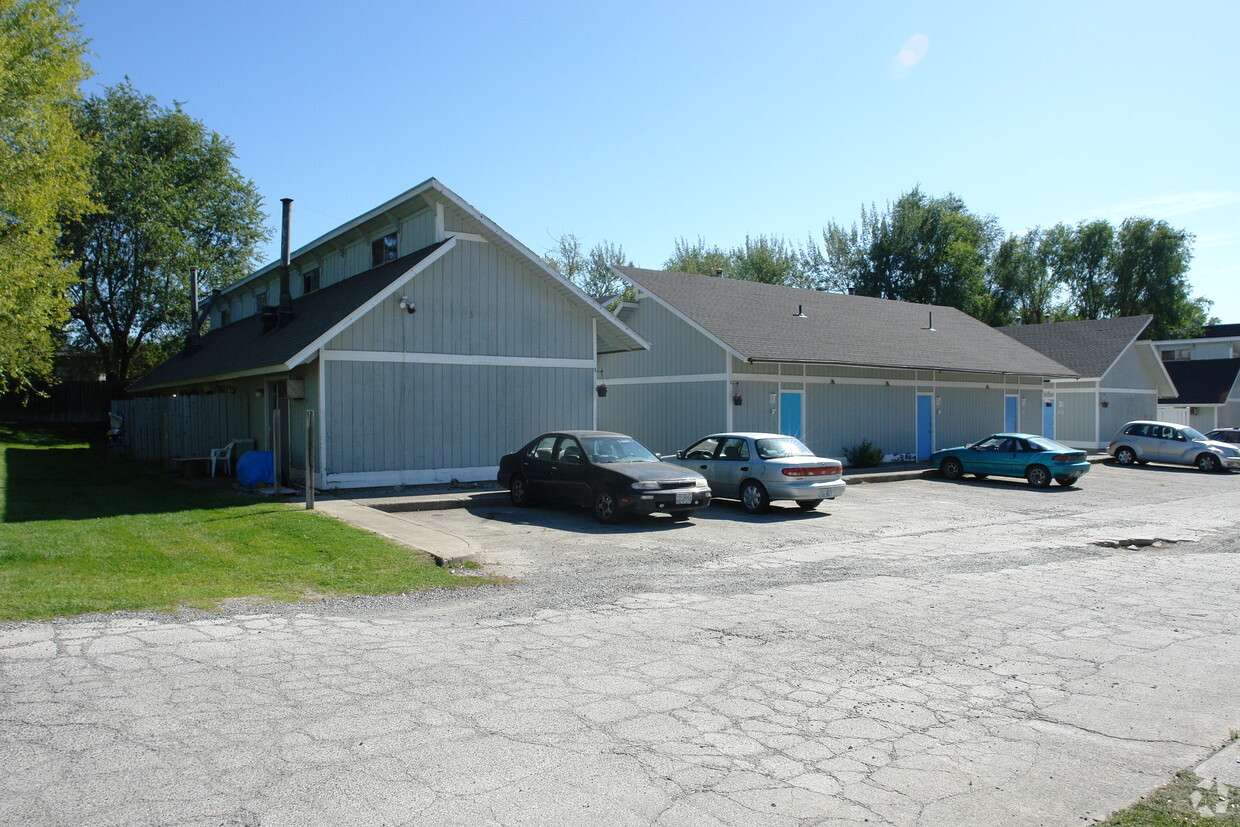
<point x="916" y="652"/>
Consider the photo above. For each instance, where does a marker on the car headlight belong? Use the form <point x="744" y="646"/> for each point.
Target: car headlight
<point x="646" y="485"/>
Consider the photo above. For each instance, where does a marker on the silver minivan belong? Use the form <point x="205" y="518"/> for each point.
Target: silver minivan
<point x="1142" y="442"/>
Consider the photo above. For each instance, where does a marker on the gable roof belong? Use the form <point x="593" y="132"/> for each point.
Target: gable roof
<point x="757" y="323"/>
<point x="1221" y="331"/>
<point x="612" y="334"/>
<point x="243" y="348"/>
<point x="1088" y="347"/>
<point x="1202" y="381"/>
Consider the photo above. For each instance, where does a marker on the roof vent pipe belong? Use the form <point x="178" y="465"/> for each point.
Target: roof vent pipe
<point x="285" y="311"/>
<point x="718" y="272"/>
<point x="930" y="323"/>
<point x="799" y="314"/>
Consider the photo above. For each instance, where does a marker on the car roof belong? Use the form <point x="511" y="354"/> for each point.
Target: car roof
<point x="1154" y="422"/>
<point x="746" y="434"/>
<point x="580" y="434"/>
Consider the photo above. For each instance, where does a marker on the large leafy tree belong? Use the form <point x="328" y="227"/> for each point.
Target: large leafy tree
<point x="169" y="200"/>
<point x="1080" y="258"/>
<point x="43" y="177"/>
<point x="696" y="257"/>
<point x="921" y="249"/>
<point x="762" y="258"/>
<point x="1150" y="275"/>
<point x="591" y="271"/>
<point x="1022" y="286"/>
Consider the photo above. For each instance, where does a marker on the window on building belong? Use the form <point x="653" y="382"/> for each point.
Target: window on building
<point x="1177" y="355"/>
<point x="310" y="281"/>
<point x="383" y="250"/>
<point x="225" y="316"/>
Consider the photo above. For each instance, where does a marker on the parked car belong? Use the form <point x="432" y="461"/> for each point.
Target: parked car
<point x="1036" y="458"/>
<point x="759" y="468"/>
<point x="1230" y="435"/>
<point x="1142" y="442"/>
<point x="611" y="473"/>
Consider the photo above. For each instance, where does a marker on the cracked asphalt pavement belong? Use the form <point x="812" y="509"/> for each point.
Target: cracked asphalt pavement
<point x="918" y="652"/>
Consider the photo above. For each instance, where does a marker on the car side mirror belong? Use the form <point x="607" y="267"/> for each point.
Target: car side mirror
<point x="680" y="454"/>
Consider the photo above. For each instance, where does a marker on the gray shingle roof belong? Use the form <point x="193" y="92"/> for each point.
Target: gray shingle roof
<point x="1088" y="347"/>
<point x="757" y="321"/>
<point x="243" y="346"/>
<point x="1201" y="381"/>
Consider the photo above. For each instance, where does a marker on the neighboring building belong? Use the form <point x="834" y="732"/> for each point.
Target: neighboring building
<point x="1205" y="373"/>
<point x="832" y="369"/>
<point x="1120" y="378"/>
<point x="427" y="341"/>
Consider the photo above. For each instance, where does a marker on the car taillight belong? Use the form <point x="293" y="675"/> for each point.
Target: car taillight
<point x="816" y="471"/>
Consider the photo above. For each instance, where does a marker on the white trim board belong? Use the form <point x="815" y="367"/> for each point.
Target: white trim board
<point x="823" y="380"/>
<point x="1104" y="390"/>
<point x="423" y="476"/>
<point x="453" y="359"/>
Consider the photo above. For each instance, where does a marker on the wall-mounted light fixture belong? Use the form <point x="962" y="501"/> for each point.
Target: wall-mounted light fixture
<point x="406" y="305"/>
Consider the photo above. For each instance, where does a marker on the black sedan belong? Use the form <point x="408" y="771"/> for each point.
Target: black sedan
<point x="612" y="473"/>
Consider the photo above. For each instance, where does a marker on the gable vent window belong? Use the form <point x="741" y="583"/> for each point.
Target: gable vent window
<point x="225" y="317"/>
<point x="1178" y="355"/>
<point x="383" y="250"/>
<point x="310" y="281"/>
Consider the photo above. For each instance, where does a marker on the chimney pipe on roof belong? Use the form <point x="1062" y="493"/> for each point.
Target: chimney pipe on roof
<point x="285" y="311"/>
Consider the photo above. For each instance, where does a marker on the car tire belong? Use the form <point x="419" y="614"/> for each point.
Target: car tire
<point x="681" y="516"/>
<point x="1066" y="482"/>
<point x="1039" y="476"/>
<point x="606" y="507"/>
<point x="1208" y="463"/>
<point x="754" y="498"/>
<point x="1125" y="455"/>
<point x="808" y="505"/>
<point x="519" y="492"/>
<point x="951" y="468"/>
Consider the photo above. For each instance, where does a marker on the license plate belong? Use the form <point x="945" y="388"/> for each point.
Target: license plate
<point x="684" y="497"/>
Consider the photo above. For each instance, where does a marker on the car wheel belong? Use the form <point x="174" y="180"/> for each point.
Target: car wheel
<point x="1125" y="455"/>
<point x="519" y="492"/>
<point x="808" y="505"/>
<point x="1208" y="463"/>
<point x="981" y="476"/>
<point x="681" y="516"/>
<point x="754" y="497"/>
<point x="951" y="468"/>
<point x="1066" y="482"/>
<point x="1038" y="476"/>
<point x="606" y="507"/>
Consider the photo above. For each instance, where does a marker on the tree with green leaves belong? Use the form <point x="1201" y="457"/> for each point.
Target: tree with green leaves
<point x="697" y="258"/>
<point x="1022" y="286"/>
<point x="43" y="178"/>
<point x="1080" y="258"/>
<point x="591" y="271"/>
<point x="921" y="249"/>
<point x="1150" y="275"/>
<point x="769" y="260"/>
<point x="170" y="200"/>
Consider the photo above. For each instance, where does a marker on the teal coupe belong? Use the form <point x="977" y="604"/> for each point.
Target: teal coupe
<point x="1035" y="458"/>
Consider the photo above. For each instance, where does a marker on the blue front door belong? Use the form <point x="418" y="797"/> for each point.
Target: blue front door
<point x="1011" y="411"/>
<point x="1048" y="419"/>
<point x="790" y="414"/>
<point x="925" y="425"/>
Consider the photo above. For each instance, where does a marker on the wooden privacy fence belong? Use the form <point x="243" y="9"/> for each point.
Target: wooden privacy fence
<point x="73" y="401"/>
<point x="158" y="428"/>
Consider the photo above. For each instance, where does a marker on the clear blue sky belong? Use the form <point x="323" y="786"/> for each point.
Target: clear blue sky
<point x="642" y="122"/>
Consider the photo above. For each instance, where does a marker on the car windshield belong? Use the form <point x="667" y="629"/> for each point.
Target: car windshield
<point x="780" y="447"/>
<point x="1193" y="434"/>
<point x="1044" y="444"/>
<point x="604" y="449"/>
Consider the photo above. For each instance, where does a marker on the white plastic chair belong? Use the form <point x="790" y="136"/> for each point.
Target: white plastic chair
<point x="224" y="454"/>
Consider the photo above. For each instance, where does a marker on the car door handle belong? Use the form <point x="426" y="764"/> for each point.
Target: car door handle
<point x="703" y="467"/>
<point x="744" y="467"/>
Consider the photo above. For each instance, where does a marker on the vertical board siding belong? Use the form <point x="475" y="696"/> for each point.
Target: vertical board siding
<point x="419" y="417"/>
<point x="1029" y="409"/>
<point x="756" y="413"/>
<point x="843" y="416"/>
<point x="1123" y="408"/>
<point x="1129" y="372"/>
<point x="676" y="348"/>
<point x="1074" y="417"/>
<point x="416" y="231"/>
<point x="665" y="417"/>
<point x="966" y="415"/>
<point x="476" y="300"/>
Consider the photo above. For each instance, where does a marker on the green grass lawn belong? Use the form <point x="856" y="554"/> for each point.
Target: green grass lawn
<point x="81" y="531"/>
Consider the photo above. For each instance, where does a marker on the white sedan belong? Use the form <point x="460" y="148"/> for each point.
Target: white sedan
<point x="759" y="468"/>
